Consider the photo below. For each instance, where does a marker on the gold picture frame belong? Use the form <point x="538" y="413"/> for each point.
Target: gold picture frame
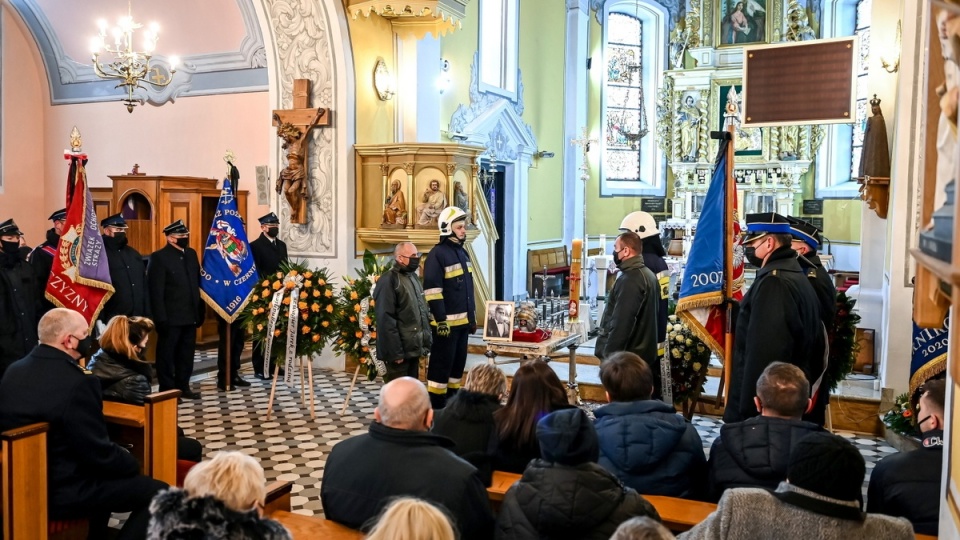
<point x="748" y="30"/>
<point x="756" y="152"/>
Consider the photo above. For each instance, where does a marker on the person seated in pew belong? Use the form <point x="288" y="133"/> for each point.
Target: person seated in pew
<point x="566" y="494"/>
<point x="755" y="452"/>
<point x="125" y="377"/>
<point x="221" y="499"/>
<point x="88" y="475"/>
<point x="409" y="518"/>
<point x="400" y="457"/>
<point x="642" y="528"/>
<point x="536" y="392"/>
<point x="468" y="418"/>
<point x="643" y="441"/>
<point x="819" y="499"/>
<point x="907" y="484"/>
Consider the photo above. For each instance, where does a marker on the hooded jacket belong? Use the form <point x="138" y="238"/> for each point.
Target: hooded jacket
<point x="651" y="448"/>
<point x="754" y="453"/>
<point x="569" y="496"/>
<point x="175" y="515"/>
<point x="468" y="421"/>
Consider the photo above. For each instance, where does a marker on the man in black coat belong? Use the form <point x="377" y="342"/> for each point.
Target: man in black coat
<point x="755" y="452"/>
<point x="127" y="272"/>
<point x="19" y="301"/>
<point x="908" y="484"/>
<point x="400" y="457"/>
<point x="41" y="258"/>
<point x="403" y="318"/>
<point x="268" y="253"/>
<point x="779" y="317"/>
<point x="88" y="475"/>
<point x="629" y="320"/>
<point x="173" y="275"/>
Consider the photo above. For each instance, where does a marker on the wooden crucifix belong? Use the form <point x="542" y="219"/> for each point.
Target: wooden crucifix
<point x="293" y="126"/>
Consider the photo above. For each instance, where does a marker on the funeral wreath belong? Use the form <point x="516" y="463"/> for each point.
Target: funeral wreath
<point x="357" y="319"/>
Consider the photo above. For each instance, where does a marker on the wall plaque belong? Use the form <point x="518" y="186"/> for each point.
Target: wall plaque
<point x="653" y="206"/>
<point x="819" y="87"/>
<point x="817" y="222"/>
<point x="813" y="207"/>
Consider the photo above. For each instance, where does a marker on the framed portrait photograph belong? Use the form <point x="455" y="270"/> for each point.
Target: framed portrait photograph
<point x="499" y="323"/>
<point x="741" y="22"/>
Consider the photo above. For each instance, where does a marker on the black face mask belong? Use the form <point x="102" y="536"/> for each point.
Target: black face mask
<point x="750" y="253"/>
<point x="183" y="242"/>
<point x="273" y="232"/>
<point x="413" y="264"/>
<point x="120" y="238"/>
<point x="10" y="248"/>
<point x="83" y="346"/>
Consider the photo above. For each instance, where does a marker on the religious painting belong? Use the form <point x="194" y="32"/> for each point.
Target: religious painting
<point x="395" y="207"/>
<point x="740" y="22"/>
<point x="751" y="144"/>
<point x="430" y="198"/>
<point x="499" y="325"/>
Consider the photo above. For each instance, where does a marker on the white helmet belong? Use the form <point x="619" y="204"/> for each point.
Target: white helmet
<point x="449" y="216"/>
<point x="641" y="223"/>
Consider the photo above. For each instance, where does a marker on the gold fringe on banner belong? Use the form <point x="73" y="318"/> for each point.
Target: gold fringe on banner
<point x="927" y="371"/>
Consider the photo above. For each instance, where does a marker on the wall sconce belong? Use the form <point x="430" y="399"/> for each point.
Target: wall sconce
<point x="544" y="154"/>
<point x="383" y="81"/>
<point x="443" y="81"/>
<point x="892" y="65"/>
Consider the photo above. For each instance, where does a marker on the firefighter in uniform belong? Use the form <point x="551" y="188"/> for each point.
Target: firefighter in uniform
<point x="646" y="228"/>
<point x="806" y="241"/>
<point x="448" y="289"/>
<point x="269" y="252"/>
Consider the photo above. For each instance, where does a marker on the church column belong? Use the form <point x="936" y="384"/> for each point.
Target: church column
<point x="418" y="106"/>
<point x="574" y="116"/>
<point x="906" y="171"/>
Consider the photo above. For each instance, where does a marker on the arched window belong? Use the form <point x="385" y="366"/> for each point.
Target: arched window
<point x="633" y="58"/>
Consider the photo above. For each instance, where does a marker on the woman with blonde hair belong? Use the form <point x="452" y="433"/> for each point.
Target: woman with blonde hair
<point x="221" y="498"/>
<point x="468" y="418"/>
<point x="408" y="518"/>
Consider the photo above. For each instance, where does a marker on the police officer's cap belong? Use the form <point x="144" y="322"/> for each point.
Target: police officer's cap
<point x="760" y="225"/>
<point x="9" y="228"/>
<point x="177" y="227"/>
<point x="115" y="220"/>
<point x="269" y="219"/>
<point x="59" y="215"/>
<point x="805" y="232"/>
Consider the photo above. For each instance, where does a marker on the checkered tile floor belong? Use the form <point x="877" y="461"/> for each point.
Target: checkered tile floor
<point x="292" y="447"/>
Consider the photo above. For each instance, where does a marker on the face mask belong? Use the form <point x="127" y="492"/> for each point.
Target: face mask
<point x="413" y="264"/>
<point x="273" y="232"/>
<point x="183" y="242"/>
<point x="750" y="253"/>
<point x="83" y="346"/>
<point x="121" y="238"/>
<point x="616" y="258"/>
<point x="12" y="248"/>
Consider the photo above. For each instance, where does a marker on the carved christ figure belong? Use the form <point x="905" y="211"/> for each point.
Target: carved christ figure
<point x="433" y="202"/>
<point x="292" y="180"/>
<point x="395" y="211"/>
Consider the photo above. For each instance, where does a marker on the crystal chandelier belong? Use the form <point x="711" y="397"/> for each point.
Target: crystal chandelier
<point x="128" y="66"/>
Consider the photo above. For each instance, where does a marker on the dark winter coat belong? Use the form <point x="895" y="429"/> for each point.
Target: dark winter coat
<point x="827" y="297"/>
<point x="630" y="316"/>
<point x="174" y="515"/>
<point x="268" y="255"/>
<point x="779" y="321"/>
<point x="754" y="453"/>
<point x="128" y="273"/>
<point x="20" y="310"/>
<point x="448" y="284"/>
<point x="651" y="448"/>
<point x="908" y="485"/>
<point x="364" y="472"/>
<point x="467" y="420"/>
<point x="403" y="320"/>
<point x="41" y="260"/>
<point x="513" y="457"/>
<point x="553" y="501"/>
<point x="121" y="378"/>
<point x="174" y="278"/>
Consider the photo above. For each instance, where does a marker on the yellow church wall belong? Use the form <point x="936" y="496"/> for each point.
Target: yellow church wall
<point x="372" y="37"/>
<point x="459" y="48"/>
<point x="542" y="37"/>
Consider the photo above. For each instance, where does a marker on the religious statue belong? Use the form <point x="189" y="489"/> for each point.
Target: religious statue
<point x="789" y="143"/>
<point x="875" y="157"/>
<point x="948" y="32"/>
<point x="292" y="180"/>
<point x="433" y="202"/>
<point x="798" y="25"/>
<point x="460" y="199"/>
<point x="395" y="211"/>
<point x="688" y="119"/>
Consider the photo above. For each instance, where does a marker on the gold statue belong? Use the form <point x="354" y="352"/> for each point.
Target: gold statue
<point x="292" y="180"/>
<point x="433" y="202"/>
<point x="395" y="211"/>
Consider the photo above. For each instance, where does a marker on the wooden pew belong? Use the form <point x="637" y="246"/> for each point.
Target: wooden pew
<point x="680" y="515"/>
<point x="151" y="430"/>
<point x="24" y="459"/>
<point x="500" y="484"/>
<point x="302" y="527"/>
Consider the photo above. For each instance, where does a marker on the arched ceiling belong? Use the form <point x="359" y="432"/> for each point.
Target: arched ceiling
<point x="218" y="42"/>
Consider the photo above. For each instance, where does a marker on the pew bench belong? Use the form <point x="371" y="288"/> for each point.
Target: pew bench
<point x="149" y="430"/>
<point x="277" y="507"/>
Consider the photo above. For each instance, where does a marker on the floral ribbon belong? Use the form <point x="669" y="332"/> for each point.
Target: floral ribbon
<point x="275" y="304"/>
<point x="366" y="341"/>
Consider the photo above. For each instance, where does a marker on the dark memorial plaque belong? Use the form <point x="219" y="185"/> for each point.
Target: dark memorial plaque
<point x="813" y="207"/>
<point x="653" y="206"/>
<point x="811" y="82"/>
<point x="817" y="222"/>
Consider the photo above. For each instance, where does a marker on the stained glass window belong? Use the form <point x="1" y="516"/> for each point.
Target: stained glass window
<point x="863" y="110"/>
<point x="621" y="160"/>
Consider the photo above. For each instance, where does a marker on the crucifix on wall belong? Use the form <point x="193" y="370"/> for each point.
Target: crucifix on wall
<point x="293" y="126"/>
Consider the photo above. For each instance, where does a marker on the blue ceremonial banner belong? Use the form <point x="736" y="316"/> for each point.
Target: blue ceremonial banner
<point x="929" y="354"/>
<point x="227" y="275"/>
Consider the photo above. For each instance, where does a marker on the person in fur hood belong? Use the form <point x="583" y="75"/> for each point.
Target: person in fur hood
<point x="221" y="499"/>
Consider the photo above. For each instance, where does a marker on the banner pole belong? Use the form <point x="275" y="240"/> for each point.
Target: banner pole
<point x="228" y="376"/>
<point x="729" y="191"/>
